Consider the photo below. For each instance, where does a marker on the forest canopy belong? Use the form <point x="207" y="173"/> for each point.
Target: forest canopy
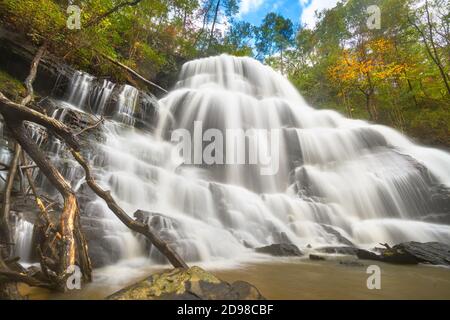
<point x="395" y="74"/>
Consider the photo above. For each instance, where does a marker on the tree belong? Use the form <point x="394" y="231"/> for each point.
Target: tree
<point x="214" y="9"/>
<point x="238" y="39"/>
<point x="275" y="34"/>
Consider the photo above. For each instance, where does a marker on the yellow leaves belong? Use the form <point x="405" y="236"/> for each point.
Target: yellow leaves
<point x="367" y="65"/>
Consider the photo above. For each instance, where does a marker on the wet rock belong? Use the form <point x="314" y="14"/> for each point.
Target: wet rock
<point x="104" y="246"/>
<point x="281" y="250"/>
<point x="316" y="257"/>
<point x="190" y="284"/>
<point x="169" y="230"/>
<point x="440" y="199"/>
<point x="390" y="255"/>
<point x="430" y="252"/>
<point x="338" y="250"/>
<point x="411" y="253"/>
<point x="339" y="237"/>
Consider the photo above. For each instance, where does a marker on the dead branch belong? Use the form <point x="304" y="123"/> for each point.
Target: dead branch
<point x="132" y="72"/>
<point x="95" y="125"/>
<point x="18" y="111"/>
<point x="32" y="75"/>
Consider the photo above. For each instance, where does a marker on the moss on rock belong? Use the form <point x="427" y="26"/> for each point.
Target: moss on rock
<point x="187" y="284"/>
<point x="10" y="86"/>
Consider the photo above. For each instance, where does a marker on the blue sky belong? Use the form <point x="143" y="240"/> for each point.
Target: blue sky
<point x="299" y="11"/>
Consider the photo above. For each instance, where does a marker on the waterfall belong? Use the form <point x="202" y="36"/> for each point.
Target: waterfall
<point x="369" y="182"/>
<point x="101" y="95"/>
<point x="23" y="239"/>
<point x="127" y="104"/>
<point x="79" y="89"/>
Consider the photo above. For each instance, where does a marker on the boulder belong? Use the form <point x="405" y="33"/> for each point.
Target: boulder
<point x="316" y="257"/>
<point x="281" y="250"/>
<point x="411" y="253"/>
<point x="187" y="284"/>
<point x="390" y="255"/>
<point x="430" y="252"/>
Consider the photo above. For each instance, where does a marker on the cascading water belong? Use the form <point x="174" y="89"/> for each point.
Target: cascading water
<point x="367" y="181"/>
<point x="23" y="239"/>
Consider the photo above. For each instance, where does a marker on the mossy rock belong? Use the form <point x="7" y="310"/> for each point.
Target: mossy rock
<point x="187" y="284"/>
<point x="11" y="87"/>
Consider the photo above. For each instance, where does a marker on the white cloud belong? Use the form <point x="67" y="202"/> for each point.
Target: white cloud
<point x="308" y="16"/>
<point x="249" y="5"/>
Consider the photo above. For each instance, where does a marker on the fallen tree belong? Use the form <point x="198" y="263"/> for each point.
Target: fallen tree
<point x="65" y="134"/>
<point x="71" y="248"/>
<point x="65" y="245"/>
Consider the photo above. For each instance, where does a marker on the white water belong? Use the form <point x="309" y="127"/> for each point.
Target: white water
<point x="23" y="233"/>
<point x="346" y="173"/>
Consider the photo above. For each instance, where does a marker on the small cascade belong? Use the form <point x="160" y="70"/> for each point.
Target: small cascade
<point x="80" y="87"/>
<point x="23" y="239"/>
<point x="100" y="97"/>
<point x="127" y="104"/>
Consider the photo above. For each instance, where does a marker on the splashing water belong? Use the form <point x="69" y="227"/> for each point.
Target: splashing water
<point x="369" y="182"/>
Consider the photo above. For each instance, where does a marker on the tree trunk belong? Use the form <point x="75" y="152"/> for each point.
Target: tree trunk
<point x="8" y="289"/>
<point x="6" y="239"/>
<point x="70" y="251"/>
<point x="211" y="35"/>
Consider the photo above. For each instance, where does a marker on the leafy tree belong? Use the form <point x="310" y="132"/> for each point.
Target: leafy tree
<point x="275" y="34"/>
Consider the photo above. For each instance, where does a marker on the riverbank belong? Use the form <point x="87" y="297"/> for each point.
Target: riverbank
<point x="287" y="279"/>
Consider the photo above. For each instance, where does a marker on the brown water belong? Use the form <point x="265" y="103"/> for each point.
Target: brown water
<point x="305" y="279"/>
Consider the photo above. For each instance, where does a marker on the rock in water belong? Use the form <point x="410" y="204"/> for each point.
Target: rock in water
<point x="281" y="250"/>
<point x="190" y="284"/>
<point x="411" y="253"/>
<point x="429" y="252"/>
<point x="339" y="237"/>
<point x="316" y="257"/>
